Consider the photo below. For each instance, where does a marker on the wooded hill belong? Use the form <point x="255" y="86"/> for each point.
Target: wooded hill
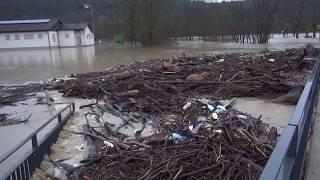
<point x="152" y="21"/>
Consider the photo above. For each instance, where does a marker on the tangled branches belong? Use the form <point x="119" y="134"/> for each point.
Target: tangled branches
<point x="229" y="148"/>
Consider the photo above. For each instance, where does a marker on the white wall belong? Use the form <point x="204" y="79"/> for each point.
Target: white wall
<point x="24" y="43"/>
<point x="67" y="41"/>
<point x="54" y="40"/>
<point x="87" y="37"/>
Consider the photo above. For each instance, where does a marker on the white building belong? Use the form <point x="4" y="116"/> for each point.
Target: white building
<point x="44" y="33"/>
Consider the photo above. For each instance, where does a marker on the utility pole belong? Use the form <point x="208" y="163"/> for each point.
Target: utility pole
<point x="90" y="6"/>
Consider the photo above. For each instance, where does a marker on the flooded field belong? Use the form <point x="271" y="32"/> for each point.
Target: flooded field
<point x="19" y="66"/>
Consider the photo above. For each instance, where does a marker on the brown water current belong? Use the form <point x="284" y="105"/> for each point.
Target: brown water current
<point x="19" y="66"/>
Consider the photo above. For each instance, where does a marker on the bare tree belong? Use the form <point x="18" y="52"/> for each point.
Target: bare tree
<point x="297" y="16"/>
<point x="142" y="21"/>
<point x="131" y="10"/>
<point x="315" y="16"/>
<point x="239" y="34"/>
<point x="187" y="7"/>
<point x="265" y="12"/>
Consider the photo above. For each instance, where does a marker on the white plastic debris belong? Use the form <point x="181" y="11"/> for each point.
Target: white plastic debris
<point x="177" y="137"/>
<point x="201" y="59"/>
<point x="271" y="60"/>
<point x="242" y="117"/>
<point x="108" y="144"/>
<point x="191" y="128"/>
<point x="220" y="60"/>
<point x="215" y="116"/>
<point x="210" y="107"/>
<point x="187" y="106"/>
<point x="220" y="109"/>
<point x="217" y="131"/>
<point x="196" y="129"/>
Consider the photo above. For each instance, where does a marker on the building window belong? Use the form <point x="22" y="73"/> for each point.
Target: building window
<point x="89" y="36"/>
<point x="7" y="37"/>
<point x="28" y="36"/>
<point x="66" y="35"/>
<point x="17" y="37"/>
<point x="53" y="38"/>
<point x="40" y="36"/>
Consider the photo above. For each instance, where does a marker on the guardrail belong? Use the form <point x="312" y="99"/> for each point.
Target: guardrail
<point x="24" y="168"/>
<point x="288" y="158"/>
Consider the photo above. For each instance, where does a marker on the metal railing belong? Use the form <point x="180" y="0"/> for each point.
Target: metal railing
<point x="24" y="168"/>
<point x="288" y="158"/>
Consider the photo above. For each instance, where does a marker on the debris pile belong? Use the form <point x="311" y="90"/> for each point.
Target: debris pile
<point x="12" y="94"/>
<point x="232" y="146"/>
<point x="6" y="119"/>
<point x="196" y="135"/>
<point x="159" y="85"/>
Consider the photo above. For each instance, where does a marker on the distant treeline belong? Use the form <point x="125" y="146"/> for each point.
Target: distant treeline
<point x="146" y="22"/>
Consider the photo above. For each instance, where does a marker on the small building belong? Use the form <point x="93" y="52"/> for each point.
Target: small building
<point x="44" y="33"/>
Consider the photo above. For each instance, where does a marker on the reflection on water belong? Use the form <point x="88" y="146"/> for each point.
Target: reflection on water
<point x="19" y="66"/>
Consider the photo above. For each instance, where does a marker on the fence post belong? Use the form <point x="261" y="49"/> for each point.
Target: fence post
<point x="73" y="107"/>
<point x="34" y="142"/>
<point x="59" y="118"/>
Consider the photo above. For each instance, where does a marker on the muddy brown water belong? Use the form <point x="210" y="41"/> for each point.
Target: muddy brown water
<point x="20" y="66"/>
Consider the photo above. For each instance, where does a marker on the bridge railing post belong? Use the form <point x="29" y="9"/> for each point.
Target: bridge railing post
<point x="34" y="141"/>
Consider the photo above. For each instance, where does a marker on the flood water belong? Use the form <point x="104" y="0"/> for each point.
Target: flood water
<point x="19" y="66"/>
